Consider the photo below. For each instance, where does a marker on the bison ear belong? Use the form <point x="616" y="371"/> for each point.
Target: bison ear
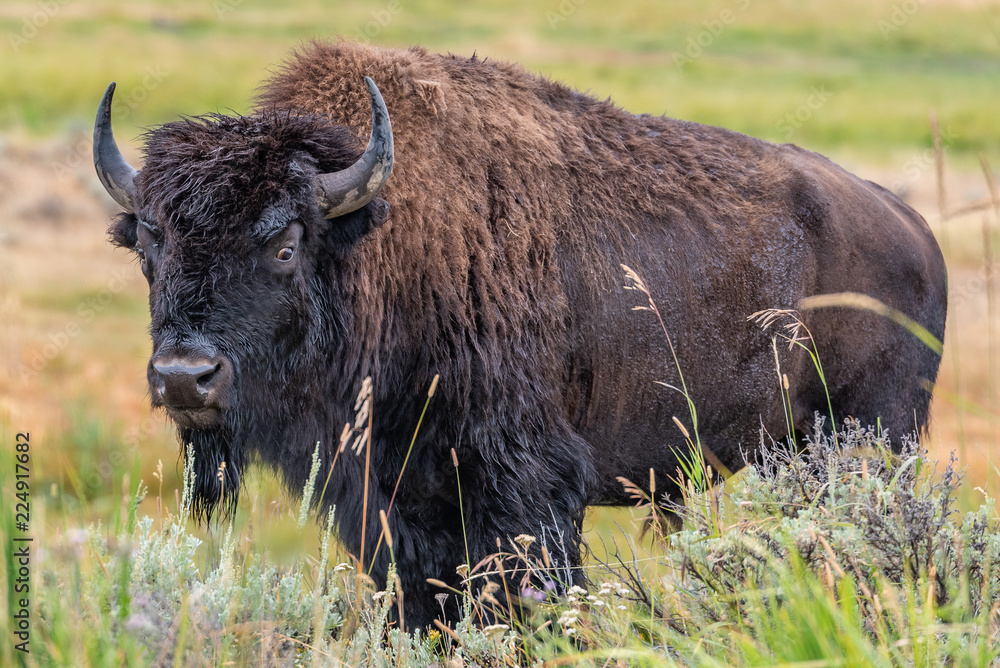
<point x="123" y="231"/>
<point x="347" y="230"/>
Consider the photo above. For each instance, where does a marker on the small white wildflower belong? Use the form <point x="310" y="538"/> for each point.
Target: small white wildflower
<point x="343" y="567"/>
<point x="570" y="631"/>
<point x="524" y="540"/>
<point x="378" y="596"/>
<point x="569" y="618"/>
<point x="598" y="603"/>
<point x="622" y="607"/>
<point x="495" y="630"/>
<point x="577" y="590"/>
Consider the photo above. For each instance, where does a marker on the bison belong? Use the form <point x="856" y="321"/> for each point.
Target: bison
<point x="479" y="237"/>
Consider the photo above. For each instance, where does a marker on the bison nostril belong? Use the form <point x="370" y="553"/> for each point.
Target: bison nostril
<point x="190" y="384"/>
<point x="204" y="380"/>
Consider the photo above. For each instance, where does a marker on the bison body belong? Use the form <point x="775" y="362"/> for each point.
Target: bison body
<point x="492" y="257"/>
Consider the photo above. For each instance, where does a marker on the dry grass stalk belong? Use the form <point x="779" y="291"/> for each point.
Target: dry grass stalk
<point x="989" y="269"/>
<point x="943" y="237"/>
<point x="864" y="302"/>
<point x="795" y="330"/>
<point x="386" y="533"/>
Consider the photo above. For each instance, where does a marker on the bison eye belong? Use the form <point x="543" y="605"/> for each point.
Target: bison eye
<point x="285" y="254"/>
<point x="143" y="261"/>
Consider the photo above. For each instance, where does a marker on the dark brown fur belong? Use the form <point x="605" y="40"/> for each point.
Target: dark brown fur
<point x="523" y="198"/>
<point x="512" y="205"/>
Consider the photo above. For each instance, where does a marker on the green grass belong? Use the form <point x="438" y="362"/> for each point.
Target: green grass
<point x="758" y="69"/>
<point x="849" y="556"/>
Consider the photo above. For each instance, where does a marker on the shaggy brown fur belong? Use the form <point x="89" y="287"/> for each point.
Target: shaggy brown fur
<point x="512" y="205"/>
<point x="522" y="198"/>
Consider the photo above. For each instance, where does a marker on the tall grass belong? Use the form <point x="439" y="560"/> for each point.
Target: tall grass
<point x="845" y="555"/>
<point x="947" y="215"/>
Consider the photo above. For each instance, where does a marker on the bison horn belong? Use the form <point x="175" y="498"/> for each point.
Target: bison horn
<point x="348" y="190"/>
<point x="117" y="175"/>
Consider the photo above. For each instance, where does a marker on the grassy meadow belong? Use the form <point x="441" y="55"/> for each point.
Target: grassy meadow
<point x="858" y="81"/>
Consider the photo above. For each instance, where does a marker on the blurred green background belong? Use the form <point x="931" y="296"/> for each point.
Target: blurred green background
<point x="883" y="65"/>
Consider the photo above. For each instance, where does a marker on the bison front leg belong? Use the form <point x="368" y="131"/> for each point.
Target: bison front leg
<point x="524" y="518"/>
<point x="536" y="549"/>
<point x="484" y="513"/>
<point x="427" y="550"/>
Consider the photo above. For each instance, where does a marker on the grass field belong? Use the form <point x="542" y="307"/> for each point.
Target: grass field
<point x="751" y="63"/>
<point x="856" y="80"/>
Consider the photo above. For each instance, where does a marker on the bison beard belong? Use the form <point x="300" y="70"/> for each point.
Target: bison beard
<point x="492" y="257"/>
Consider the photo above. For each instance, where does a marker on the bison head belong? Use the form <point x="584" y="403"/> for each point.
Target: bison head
<point x="239" y="224"/>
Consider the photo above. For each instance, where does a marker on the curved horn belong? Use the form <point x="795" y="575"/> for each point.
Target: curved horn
<point x="117" y="175"/>
<point x="339" y="193"/>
